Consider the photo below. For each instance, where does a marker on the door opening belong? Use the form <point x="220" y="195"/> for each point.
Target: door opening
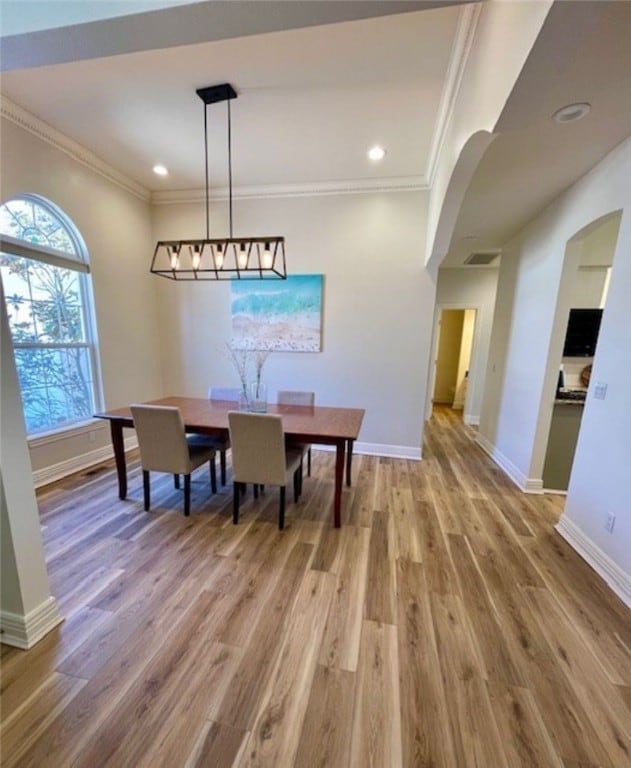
<point x="452" y="361"/>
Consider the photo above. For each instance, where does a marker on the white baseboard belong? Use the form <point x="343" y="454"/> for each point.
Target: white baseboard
<point x="77" y="463"/>
<point x="605" y="567"/>
<point x="24" y="631"/>
<point x="379" y="449"/>
<point x="524" y="483"/>
<point x="85" y="460"/>
<point x="555" y="491"/>
<point x="473" y="420"/>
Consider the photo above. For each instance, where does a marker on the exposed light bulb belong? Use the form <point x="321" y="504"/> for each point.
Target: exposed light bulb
<point x="242" y="257"/>
<point x="267" y="260"/>
<point x="174" y="256"/>
<point x="196" y="256"/>
<point x="219" y="256"/>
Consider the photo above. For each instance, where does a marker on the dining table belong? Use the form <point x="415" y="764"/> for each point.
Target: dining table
<point x="323" y="425"/>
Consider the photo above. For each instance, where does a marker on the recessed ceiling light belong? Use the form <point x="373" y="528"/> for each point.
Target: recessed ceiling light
<point x="376" y="153"/>
<point x="572" y="112"/>
<point x="160" y="170"/>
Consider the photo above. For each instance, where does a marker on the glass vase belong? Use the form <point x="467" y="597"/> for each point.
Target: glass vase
<point x="258" y="397"/>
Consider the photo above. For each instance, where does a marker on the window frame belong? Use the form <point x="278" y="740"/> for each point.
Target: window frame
<point x="77" y="262"/>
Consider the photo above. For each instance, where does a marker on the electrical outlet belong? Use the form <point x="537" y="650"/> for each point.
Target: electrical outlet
<point x="610" y="522"/>
<point x="600" y="390"/>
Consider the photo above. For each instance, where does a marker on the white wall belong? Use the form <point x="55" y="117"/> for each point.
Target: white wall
<point x="504" y="34"/>
<point x="472" y="288"/>
<point x="157" y="337"/>
<point x="116" y="227"/>
<point x="527" y="340"/>
<point x="528" y="321"/>
<point x="27" y="609"/>
<point x="594" y="264"/>
<point x="589" y="287"/>
<point x="377" y="315"/>
<point x="599" y="243"/>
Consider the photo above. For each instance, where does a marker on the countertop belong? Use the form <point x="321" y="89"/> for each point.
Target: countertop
<point x="570" y="397"/>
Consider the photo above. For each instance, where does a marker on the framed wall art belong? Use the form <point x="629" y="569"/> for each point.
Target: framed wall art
<point x="278" y="315"/>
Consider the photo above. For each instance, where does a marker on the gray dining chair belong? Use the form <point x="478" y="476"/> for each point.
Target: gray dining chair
<point x="259" y="456"/>
<point x="220" y="444"/>
<point x="230" y="394"/>
<point x="296" y="397"/>
<point x="164" y="447"/>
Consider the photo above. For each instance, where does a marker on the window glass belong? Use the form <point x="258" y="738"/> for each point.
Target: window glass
<point x="48" y="307"/>
<point x="24" y="219"/>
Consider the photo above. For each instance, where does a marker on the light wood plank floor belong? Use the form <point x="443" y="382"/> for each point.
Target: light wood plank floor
<point x="446" y="624"/>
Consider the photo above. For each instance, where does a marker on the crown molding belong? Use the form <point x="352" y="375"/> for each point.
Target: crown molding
<point x="21" y="117"/>
<point x="463" y="41"/>
<point x="29" y="122"/>
<point x="348" y="187"/>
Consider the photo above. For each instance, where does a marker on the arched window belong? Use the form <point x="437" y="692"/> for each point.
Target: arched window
<point x="46" y="280"/>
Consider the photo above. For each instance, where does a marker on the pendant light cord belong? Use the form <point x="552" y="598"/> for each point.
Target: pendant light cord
<point x="206" y="157"/>
<point x="207" y="169"/>
<point x="230" y="165"/>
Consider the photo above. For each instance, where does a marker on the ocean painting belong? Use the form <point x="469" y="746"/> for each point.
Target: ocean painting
<point x="279" y="315"/>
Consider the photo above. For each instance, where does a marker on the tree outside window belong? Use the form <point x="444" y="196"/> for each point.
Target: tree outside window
<point x="45" y="279"/>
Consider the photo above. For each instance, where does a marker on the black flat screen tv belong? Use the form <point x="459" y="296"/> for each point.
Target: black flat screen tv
<point x="582" y="332"/>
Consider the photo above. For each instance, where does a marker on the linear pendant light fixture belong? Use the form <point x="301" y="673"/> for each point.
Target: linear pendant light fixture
<point x="224" y="258"/>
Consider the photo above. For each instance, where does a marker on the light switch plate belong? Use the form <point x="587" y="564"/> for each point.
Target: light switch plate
<point x="600" y="390"/>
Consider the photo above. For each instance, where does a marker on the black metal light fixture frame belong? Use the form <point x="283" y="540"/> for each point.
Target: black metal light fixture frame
<point x="223" y="258"/>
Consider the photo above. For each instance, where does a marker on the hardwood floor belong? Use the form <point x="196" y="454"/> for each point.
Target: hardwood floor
<point x="445" y="624"/>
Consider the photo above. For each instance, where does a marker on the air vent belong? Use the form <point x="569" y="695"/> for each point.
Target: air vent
<point x="481" y="259"/>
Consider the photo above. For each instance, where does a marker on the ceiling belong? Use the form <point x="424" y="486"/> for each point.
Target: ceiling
<point x="18" y="16"/>
<point x="319" y="83"/>
<point x="311" y="102"/>
<point x="583" y="54"/>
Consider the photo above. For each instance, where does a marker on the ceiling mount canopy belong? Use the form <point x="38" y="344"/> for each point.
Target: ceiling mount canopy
<point x="220" y="258"/>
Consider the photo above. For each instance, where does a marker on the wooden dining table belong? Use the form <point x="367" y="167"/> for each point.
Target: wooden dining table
<point x="321" y="425"/>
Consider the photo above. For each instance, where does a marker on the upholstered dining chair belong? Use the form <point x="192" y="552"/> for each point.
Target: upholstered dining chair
<point x="259" y="456"/>
<point x="164" y="447"/>
<point x="221" y="444"/>
<point x="296" y="397"/>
